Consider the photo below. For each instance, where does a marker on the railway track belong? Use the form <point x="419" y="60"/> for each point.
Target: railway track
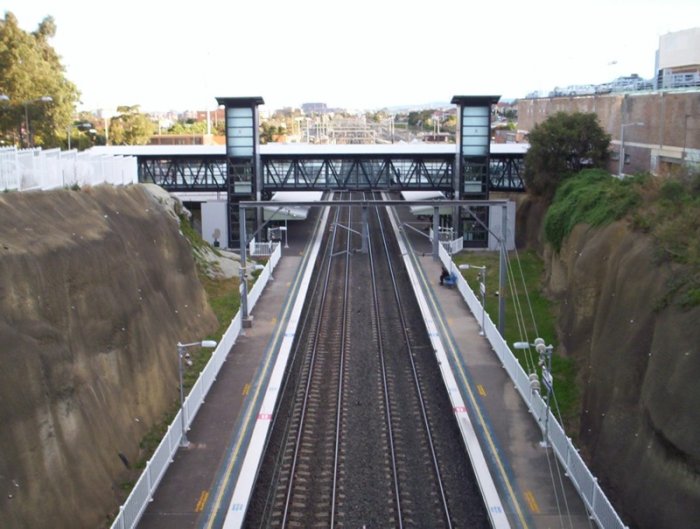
<point x="364" y="435"/>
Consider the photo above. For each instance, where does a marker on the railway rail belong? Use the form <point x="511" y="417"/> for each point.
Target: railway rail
<point x="365" y="435"/>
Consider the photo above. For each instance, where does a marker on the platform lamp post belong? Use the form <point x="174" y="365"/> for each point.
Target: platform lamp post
<point x="482" y="290"/>
<point x="545" y="362"/>
<point x="182" y="353"/>
<point x="622" y="143"/>
<point x="284" y="229"/>
<point x="42" y="99"/>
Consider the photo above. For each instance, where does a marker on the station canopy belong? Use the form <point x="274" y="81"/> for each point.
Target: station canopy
<point x="279" y="211"/>
<point x="425" y="211"/>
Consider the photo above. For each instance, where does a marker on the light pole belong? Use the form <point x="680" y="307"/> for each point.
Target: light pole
<point x="182" y="353"/>
<point x="545" y="362"/>
<point x="42" y="99"/>
<point x="482" y="290"/>
<point x="622" y="143"/>
<point x="82" y="126"/>
<point x="284" y="229"/>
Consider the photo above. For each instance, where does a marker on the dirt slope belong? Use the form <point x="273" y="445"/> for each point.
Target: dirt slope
<point x="96" y="288"/>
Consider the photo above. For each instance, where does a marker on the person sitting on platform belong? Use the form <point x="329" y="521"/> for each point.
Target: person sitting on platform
<point x="444" y="275"/>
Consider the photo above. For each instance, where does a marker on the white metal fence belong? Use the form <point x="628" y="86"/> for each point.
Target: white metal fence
<point x="27" y="169"/>
<point x="132" y="509"/>
<point x="261" y="249"/>
<point x="583" y="480"/>
<point x="452" y="246"/>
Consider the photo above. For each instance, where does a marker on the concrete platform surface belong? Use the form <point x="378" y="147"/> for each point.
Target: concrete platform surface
<point x="195" y="491"/>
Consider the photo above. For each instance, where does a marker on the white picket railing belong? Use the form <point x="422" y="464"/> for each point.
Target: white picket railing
<point x="261" y="249"/>
<point x="602" y="511"/>
<point x="28" y="169"/>
<point x="132" y="509"/>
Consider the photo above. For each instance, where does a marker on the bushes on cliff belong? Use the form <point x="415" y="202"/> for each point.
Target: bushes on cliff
<point x="671" y="215"/>
<point x="668" y="209"/>
<point x="591" y="197"/>
<point x="560" y="147"/>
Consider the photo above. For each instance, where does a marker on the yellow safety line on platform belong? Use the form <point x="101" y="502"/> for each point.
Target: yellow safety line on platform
<point x="246" y="389"/>
<point x="202" y="501"/>
<point x="531" y="501"/>
<point x="439" y="319"/>
<point x="481" y="390"/>
<point x="229" y="468"/>
<point x="234" y="456"/>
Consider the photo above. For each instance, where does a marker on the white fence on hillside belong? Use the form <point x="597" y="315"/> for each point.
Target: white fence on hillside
<point x="37" y="169"/>
<point x="134" y="506"/>
<point x="583" y="480"/>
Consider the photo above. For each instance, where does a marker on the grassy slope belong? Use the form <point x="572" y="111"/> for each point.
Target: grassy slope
<point x="527" y="269"/>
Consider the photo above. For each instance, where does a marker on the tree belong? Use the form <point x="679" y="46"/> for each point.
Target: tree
<point x="30" y="70"/>
<point x="561" y="146"/>
<point x="130" y="127"/>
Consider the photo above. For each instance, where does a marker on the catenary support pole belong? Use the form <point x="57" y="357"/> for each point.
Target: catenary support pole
<point x="244" y="284"/>
<point x="502" y="270"/>
<point x="436" y="233"/>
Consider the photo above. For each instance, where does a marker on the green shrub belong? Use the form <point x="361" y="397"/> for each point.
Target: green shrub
<point x="592" y="197"/>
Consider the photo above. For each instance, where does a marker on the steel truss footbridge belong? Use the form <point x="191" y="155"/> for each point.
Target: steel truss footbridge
<point x="304" y="167"/>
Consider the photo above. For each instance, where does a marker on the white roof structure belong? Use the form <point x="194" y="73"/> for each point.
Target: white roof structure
<point x="303" y="149"/>
<point x="291" y="212"/>
<point x="422" y="211"/>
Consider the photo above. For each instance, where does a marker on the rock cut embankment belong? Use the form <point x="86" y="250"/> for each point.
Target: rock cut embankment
<point x="639" y="365"/>
<point x="96" y="288"/>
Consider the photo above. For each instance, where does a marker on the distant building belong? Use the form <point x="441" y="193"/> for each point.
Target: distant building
<point x="678" y="59"/>
<point x="187" y="139"/>
<point x="215" y="116"/>
<point x="314" y="108"/>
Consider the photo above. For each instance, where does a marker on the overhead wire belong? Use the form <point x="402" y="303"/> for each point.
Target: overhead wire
<point x="522" y="327"/>
<point x="558" y="488"/>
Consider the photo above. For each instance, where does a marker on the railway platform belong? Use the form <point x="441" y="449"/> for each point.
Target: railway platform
<point x="195" y="491"/>
<point x="532" y="485"/>
<point x="197" y="488"/>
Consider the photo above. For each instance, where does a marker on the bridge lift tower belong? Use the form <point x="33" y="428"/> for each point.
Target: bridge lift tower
<point x="471" y="178"/>
<point x="243" y="168"/>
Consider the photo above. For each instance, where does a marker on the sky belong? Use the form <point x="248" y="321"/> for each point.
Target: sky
<point x="364" y="54"/>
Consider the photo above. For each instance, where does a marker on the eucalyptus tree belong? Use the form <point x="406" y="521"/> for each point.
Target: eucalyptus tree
<point x="35" y="90"/>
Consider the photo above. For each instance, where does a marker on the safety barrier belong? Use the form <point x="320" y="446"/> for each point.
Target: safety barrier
<point x="597" y="503"/>
<point x="261" y="249"/>
<point x="28" y="169"/>
<point x="132" y="509"/>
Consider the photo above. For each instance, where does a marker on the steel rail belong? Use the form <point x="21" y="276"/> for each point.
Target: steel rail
<point x="385" y="384"/>
<point x="419" y="393"/>
<point x="297" y="446"/>
<point x="339" y="407"/>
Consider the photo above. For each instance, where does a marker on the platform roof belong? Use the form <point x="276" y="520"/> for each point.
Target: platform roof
<point x="426" y="211"/>
<point x="290" y="212"/>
